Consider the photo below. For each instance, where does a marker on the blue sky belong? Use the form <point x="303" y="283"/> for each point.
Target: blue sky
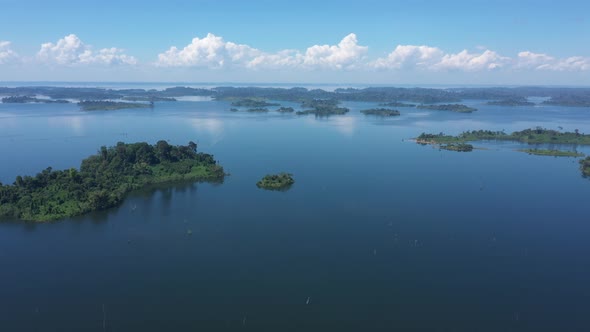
<point x="442" y="42"/>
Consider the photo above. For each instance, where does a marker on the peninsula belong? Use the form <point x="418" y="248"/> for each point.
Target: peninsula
<point x="104" y="180"/>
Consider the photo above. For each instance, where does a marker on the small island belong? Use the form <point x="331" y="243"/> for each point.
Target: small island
<point x="253" y="103"/>
<point x="323" y="107"/>
<point x="233" y="109"/>
<point x="257" y="110"/>
<point x="459" y="108"/>
<point x="585" y="166"/>
<point x="397" y="104"/>
<point x="27" y="99"/>
<point x="104" y="179"/>
<point x="285" y="110"/>
<point x="511" y="102"/>
<point x="381" y="112"/>
<point x="553" y="153"/>
<point x="281" y="181"/>
<point x="103" y="105"/>
<point x="148" y="98"/>
<point x="459" y="147"/>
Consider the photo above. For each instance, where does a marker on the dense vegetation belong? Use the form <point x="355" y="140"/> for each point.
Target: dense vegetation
<point x="257" y="110"/>
<point x="253" y="103"/>
<point x="554" y="153"/>
<point x="285" y="110"/>
<point x="460" y="108"/>
<point x="101" y="105"/>
<point x="511" y="102"/>
<point x="459" y="147"/>
<point x="104" y="179"/>
<point x="280" y="181"/>
<point x="322" y="107"/>
<point x="397" y="104"/>
<point x="532" y="136"/>
<point x="585" y="166"/>
<point x="381" y="112"/>
<point x="27" y="99"/>
<point x="388" y="95"/>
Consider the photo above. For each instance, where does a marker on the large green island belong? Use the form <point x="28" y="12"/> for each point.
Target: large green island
<point x="281" y="181"/>
<point x="532" y="136"/>
<point x="104" y="180"/>
<point x="459" y="108"/>
<point x="104" y="105"/>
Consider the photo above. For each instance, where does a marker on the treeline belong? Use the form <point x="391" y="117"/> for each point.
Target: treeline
<point x="103" y="180"/>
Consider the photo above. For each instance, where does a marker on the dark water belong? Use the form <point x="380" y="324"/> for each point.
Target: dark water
<point x="378" y="233"/>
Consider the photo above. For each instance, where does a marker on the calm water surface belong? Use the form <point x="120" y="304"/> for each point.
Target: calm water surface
<point x="378" y="233"/>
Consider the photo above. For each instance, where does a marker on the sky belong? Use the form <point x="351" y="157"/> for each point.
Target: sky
<point x="363" y="42"/>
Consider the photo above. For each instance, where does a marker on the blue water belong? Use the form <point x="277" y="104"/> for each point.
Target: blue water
<point x="378" y="233"/>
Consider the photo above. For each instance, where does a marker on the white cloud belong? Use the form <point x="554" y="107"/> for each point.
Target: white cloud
<point x="70" y="51"/>
<point x="214" y="52"/>
<point x="540" y="61"/>
<point x="346" y="54"/>
<point x="488" y="60"/>
<point x="405" y="56"/>
<point x="211" y="51"/>
<point x="7" y="55"/>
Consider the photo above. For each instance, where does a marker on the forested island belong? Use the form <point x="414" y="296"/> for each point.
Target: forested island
<point x="381" y="112"/>
<point x="281" y="181"/>
<point x="257" y="110"/>
<point x="532" y="136"/>
<point x="553" y="153"/>
<point x="252" y="103"/>
<point x="585" y="166"/>
<point x="511" y="102"/>
<point x="285" y="110"/>
<point x="459" y="147"/>
<point x="104" y="179"/>
<point x="322" y="107"/>
<point x="103" y="105"/>
<point x="27" y="99"/>
<point x="397" y="104"/>
<point x="459" y="108"/>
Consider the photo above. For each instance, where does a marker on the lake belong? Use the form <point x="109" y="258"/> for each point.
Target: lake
<point x="378" y="233"/>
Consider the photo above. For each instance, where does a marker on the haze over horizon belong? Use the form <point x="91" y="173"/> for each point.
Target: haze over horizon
<point x="374" y="42"/>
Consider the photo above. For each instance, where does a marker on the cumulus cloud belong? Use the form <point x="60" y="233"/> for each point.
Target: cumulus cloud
<point x="405" y="56"/>
<point x="211" y="51"/>
<point x="214" y="52"/>
<point x="472" y="61"/>
<point x="7" y="55"/>
<point x="71" y="51"/>
<point x="540" y="61"/>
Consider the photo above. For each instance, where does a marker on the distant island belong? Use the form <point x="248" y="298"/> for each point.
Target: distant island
<point x="104" y="180"/>
<point x="397" y="104"/>
<point x="254" y="97"/>
<point x="585" y="166"/>
<point x="253" y="103"/>
<point x="322" y="107"/>
<point x="532" y="136"/>
<point x="459" y="108"/>
<point x="101" y="105"/>
<point x="511" y="102"/>
<point x="459" y="147"/>
<point x="27" y="99"/>
<point x="553" y="153"/>
<point x="281" y="181"/>
<point x="381" y="112"/>
<point x="285" y="110"/>
<point x="257" y="110"/>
